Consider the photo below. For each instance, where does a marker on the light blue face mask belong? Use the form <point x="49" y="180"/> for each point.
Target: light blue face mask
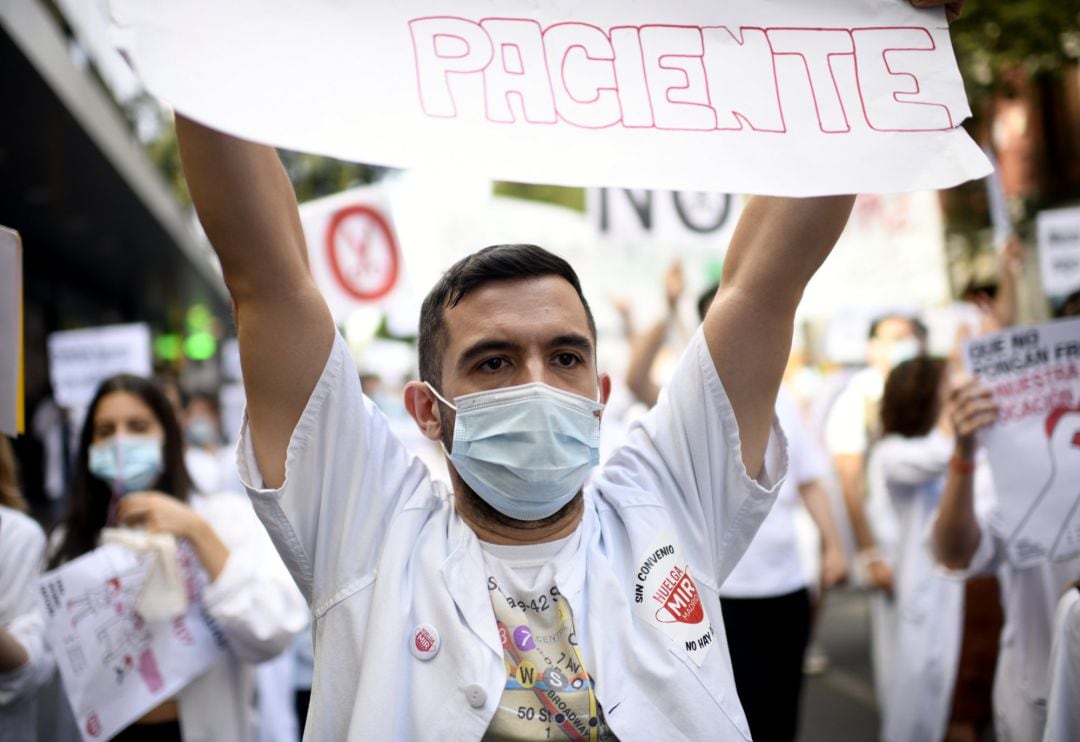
<point x="128" y="463"/>
<point x="526" y="450"/>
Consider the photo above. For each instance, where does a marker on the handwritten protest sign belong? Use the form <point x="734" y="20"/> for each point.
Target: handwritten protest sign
<point x="748" y="96"/>
<point x="115" y="665"/>
<point x="11" y="340"/>
<point x="1059" y="250"/>
<point x="79" y="360"/>
<point x="1034" y="448"/>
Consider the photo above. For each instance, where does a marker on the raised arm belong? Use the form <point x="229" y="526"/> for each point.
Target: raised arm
<point x="645" y="347"/>
<point x="248" y="209"/>
<point x="778" y="245"/>
<point x="956" y="531"/>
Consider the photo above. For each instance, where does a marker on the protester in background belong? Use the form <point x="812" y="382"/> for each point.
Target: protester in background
<point x="130" y="471"/>
<point x="212" y="466"/>
<point x="1071" y="306"/>
<point x="25" y="665"/>
<point x="210" y="462"/>
<point x="919" y="631"/>
<point x="1062" y="709"/>
<point x="964" y="542"/>
<point x="766" y="599"/>
<point x="852" y="425"/>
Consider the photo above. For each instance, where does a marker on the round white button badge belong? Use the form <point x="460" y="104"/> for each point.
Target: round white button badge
<point x="476" y="695"/>
<point x="425" y="642"/>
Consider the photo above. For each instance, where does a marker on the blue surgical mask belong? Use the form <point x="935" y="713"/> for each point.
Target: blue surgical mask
<point x="525" y="450"/>
<point x="202" y="431"/>
<point x="127" y="463"/>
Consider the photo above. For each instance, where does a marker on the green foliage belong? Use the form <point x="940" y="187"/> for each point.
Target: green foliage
<point x="995" y="38"/>
<point x="571" y="198"/>
<point x="312" y="176"/>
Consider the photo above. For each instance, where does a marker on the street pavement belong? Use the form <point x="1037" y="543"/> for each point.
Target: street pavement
<point x="839" y="705"/>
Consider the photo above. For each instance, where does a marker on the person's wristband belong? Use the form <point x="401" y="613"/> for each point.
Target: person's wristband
<point x="961" y="465"/>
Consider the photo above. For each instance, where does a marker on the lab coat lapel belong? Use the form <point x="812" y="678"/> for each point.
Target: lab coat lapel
<point x="466" y="579"/>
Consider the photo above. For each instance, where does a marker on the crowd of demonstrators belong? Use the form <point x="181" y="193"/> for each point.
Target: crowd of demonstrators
<point x="130" y="475"/>
<point x="540" y="590"/>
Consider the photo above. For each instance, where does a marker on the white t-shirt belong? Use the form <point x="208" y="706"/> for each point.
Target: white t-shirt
<point x="22" y="556"/>
<point x="1063" y="706"/>
<point x="406" y="640"/>
<point x="549" y="690"/>
<point x="771" y="566"/>
<point x="854" y="414"/>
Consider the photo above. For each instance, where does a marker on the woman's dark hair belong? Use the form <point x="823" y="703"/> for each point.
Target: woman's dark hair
<point x="912" y="400"/>
<point x="90" y="497"/>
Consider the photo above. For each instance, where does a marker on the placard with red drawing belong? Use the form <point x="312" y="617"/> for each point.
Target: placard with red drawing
<point x="1034" y="447"/>
<point x="116" y="666"/>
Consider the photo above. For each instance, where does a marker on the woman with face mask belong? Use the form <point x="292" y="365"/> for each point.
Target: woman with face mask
<point x="934" y="638"/>
<point x="130" y="474"/>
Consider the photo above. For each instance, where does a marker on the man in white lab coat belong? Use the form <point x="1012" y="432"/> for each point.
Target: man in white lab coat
<point x="523" y="604"/>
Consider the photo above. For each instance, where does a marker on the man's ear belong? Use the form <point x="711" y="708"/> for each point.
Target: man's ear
<point x="424" y="409"/>
<point x="605" y="387"/>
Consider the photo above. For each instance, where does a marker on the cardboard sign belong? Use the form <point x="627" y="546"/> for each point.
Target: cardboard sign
<point x="1034" y="448"/>
<point x="783" y="97"/>
<point x="353" y="250"/>
<point x="11" y="334"/>
<point x="79" y="360"/>
<point x="1059" y="250"/>
<point x="115" y="665"/>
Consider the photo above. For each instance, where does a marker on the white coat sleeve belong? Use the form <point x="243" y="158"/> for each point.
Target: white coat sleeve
<point x="253" y="600"/>
<point x="1062" y="709"/>
<point x="346" y="477"/>
<point x="686" y="453"/>
<point x="22" y="555"/>
<point x="916" y="461"/>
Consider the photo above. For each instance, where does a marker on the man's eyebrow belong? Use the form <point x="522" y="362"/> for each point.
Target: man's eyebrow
<point x="483" y="347"/>
<point x="580" y="342"/>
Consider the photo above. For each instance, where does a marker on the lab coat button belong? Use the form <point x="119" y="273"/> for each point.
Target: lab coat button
<point x="476" y="694"/>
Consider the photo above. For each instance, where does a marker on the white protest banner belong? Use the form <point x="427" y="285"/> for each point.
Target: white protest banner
<point x="1034" y="447"/>
<point x="748" y="96"/>
<point x="79" y="360"/>
<point x="353" y="249"/>
<point x="11" y="338"/>
<point x="668" y="218"/>
<point x="1059" y="250"/>
<point x="115" y="665"/>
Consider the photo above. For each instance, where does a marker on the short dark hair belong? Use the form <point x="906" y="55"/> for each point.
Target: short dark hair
<point x="911" y="402"/>
<point x="88" y="508"/>
<point x="1071" y="306"/>
<point x="493" y="263"/>
<point x="918" y="329"/>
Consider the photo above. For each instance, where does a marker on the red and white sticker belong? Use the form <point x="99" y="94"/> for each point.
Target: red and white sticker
<point x="425" y="642"/>
<point x="666" y="596"/>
